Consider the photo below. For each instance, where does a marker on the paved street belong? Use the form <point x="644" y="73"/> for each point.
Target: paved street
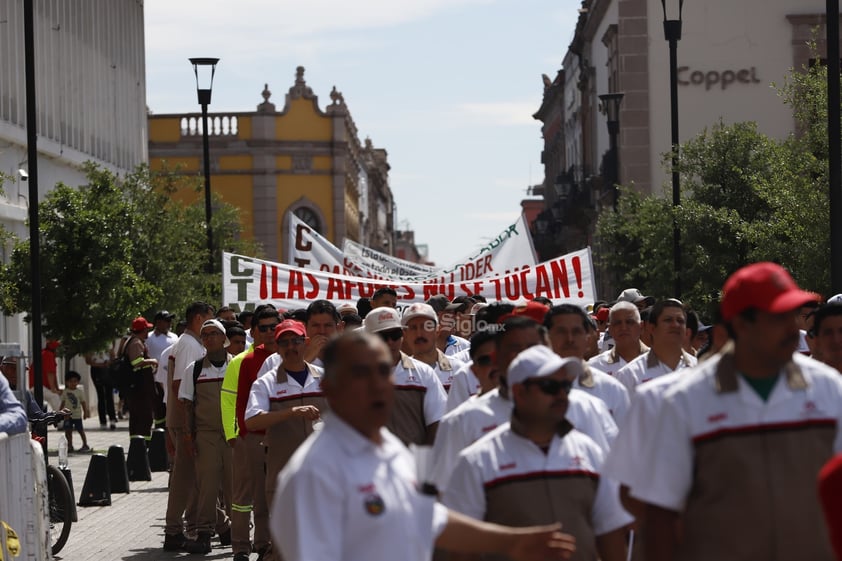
<point x="132" y="527"/>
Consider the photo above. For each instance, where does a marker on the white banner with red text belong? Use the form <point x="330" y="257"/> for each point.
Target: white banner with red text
<point x="247" y="281"/>
<point x="511" y="249"/>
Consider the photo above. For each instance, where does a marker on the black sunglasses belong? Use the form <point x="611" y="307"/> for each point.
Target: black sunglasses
<point x="391" y="334"/>
<point x="267" y="328"/>
<point x="550" y="386"/>
<point x="484" y="360"/>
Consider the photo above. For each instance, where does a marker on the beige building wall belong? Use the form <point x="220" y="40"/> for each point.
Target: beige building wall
<point x="752" y="40"/>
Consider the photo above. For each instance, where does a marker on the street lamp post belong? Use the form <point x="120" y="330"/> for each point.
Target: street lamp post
<point x="672" y="33"/>
<point x="611" y="107"/>
<point x="203" y="89"/>
<point x="834" y="148"/>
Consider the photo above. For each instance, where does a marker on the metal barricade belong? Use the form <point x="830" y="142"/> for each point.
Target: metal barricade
<point x="23" y="496"/>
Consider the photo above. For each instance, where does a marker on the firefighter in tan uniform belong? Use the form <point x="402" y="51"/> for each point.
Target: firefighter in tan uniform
<point x="201" y="385"/>
<point x="537" y="469"/>
<point x="285" y="403"/>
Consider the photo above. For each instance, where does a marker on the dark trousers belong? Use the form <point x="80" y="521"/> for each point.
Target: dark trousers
<point x="104" y="397"/>
<point x="141" y="402"/>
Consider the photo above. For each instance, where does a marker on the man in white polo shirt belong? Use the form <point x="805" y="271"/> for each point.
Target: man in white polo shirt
<point x="625" y="327"/>
<point x="741" y="439"/>
<point x="420" y="327"/>
<point x="568" y="329"/>
<point x="285" y="403"/>
<point x="419" y="396"/>
<point x="354" y="485"/>
<point x="537" y="469"/>
<point x="470" y="421"/>
<point x="669" y="328"/>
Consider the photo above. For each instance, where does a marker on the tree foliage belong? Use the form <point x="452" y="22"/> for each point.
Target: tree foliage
<point x="745" y="198"/>
<point x="116" y="248"/>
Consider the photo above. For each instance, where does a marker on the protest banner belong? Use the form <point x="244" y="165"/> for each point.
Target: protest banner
<point x="248" y="280"/>
<point x="306" y="248"/>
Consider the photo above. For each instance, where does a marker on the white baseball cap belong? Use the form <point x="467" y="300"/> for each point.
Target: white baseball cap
<point x="419" y="310"/>
<point x="216" y="324"/>
<point x="837" y="299"/>
<point x="540" y="361"/>
<point x="382" y="319"/>
<point x="347" y="308"/>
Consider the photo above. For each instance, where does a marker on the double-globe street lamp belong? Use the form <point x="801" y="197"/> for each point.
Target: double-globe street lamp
<point x="203" y="89"/>
<point x="672" y="33"/>
<point x="611" y="107"/>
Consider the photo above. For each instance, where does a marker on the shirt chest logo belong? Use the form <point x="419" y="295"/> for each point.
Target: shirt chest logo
<point x="373" y="504"/>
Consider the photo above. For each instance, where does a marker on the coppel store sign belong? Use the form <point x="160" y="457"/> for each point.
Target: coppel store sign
<point x="721" y="79"/>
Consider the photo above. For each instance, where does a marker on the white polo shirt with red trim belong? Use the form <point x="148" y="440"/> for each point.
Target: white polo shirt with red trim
<point x="354" y="500"/>
<point x="535" y="486"/>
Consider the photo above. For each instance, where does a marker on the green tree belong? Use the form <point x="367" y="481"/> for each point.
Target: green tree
<point x="116" y="248"/>
<point x="745" y="198"/>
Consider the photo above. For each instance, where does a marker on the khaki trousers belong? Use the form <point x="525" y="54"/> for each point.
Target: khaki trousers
<point x="213" y="472"/>
<point x="249" y="494"/>
<point x="183" y="495"/>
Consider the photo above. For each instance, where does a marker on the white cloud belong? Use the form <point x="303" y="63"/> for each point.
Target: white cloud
<point x="266" y="25"/>
<point x="505" y="113"/>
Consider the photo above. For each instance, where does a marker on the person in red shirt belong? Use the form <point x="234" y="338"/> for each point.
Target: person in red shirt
<point x="49" y="367"/>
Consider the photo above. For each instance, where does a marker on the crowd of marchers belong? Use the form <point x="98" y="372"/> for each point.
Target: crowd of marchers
<point x="470" y="430"/>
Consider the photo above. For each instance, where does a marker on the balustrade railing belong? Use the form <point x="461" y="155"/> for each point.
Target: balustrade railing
<point x="218" y="125"/>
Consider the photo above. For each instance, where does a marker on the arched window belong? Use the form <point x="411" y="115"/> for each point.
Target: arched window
<point x="309" y="216"/>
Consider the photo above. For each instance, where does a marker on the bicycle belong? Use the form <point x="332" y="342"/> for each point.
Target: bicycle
<point x="59" y="496"/>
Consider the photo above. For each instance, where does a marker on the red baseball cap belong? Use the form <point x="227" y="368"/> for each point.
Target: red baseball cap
<point x="290" y="326"/>
<point x="140" y="324"/>
<point x="763" y="286"/>
<point x="602" y="314"/>
<point x="533" y="310"/>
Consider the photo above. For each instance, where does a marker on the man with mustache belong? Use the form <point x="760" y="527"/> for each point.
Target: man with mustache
<point x="568" y="328"/>
<point x="419" y="396"/>
<point x="473" y="419"/>
<point x="625" y="327"/>
<point x="740" y="440"/>
<point x="668" y="320"/>
<point x="351" y="492"/>
<point x="285" y="403"/>
<point x="537" y="469"/>
<point x="420" y="322"/>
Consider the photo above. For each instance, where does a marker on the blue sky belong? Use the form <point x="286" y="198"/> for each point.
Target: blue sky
<point x="447" y="87"/>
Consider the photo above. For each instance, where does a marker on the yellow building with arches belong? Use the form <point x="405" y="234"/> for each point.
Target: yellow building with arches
<point x="301" y="159"/>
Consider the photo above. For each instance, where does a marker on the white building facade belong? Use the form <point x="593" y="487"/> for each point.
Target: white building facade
<point x="90" y="96"/>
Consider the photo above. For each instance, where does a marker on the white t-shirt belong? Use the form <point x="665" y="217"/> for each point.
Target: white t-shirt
<point x="163" y="368"/>
<point x="156" y="343"/>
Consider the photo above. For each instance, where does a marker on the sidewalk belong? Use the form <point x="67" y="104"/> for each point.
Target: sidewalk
<point x="132" y="528"/>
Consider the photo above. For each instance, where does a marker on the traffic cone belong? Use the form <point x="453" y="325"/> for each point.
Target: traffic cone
<point x="117" y="470"/>
<point x="138" y="462"/>
<point x="158" y="450"/>
<point x="65" y="471"/>
<point x="97" y="488"/>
